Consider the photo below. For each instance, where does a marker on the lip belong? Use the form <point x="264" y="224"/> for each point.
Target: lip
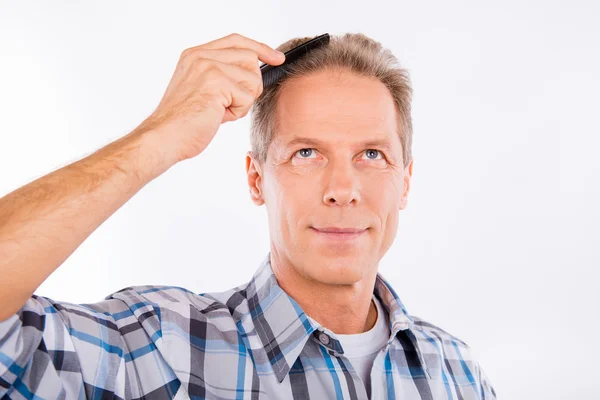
<point x="339" y="233"/>
<point x="334" y="229"/>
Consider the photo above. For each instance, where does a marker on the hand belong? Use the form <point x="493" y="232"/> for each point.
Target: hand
<point x="213" y="83"/>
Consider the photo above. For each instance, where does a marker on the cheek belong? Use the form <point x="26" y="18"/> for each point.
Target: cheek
<point x="382" y="195"/>
<point x="295" y="195"/>
<point x="385" y="191"/>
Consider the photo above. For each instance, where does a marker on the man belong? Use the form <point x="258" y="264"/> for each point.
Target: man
<point x="331" y="161"/>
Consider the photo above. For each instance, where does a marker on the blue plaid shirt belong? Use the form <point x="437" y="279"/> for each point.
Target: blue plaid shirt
<point x="250" y="342"/>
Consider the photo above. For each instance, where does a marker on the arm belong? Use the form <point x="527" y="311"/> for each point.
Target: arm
<point x="42" y="223"/>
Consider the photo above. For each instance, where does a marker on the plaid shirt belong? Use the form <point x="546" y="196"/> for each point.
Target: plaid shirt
<point x="250" y="342"/>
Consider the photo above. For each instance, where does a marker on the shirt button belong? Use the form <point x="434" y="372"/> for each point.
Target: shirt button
<point x="323" y="338"/>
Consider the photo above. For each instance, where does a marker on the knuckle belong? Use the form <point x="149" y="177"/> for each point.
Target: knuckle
<point x="248" y="87"/>
<point x="212" y="71"/>
<point x="185" y="54"/>
<point x="213" y="76"/>
<point x="256" y="86"/>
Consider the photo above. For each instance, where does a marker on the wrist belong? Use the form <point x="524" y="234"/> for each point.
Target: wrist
<point x="152" y="157"/>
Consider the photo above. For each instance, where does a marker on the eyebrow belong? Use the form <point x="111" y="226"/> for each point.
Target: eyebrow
<point x="381" y="143"/>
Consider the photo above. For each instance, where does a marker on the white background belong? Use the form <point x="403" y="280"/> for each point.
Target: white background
<point x="499" y="243"/>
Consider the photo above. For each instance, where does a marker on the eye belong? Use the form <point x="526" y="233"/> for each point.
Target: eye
<point x="371" y="153"/>
<point x="305" y="153"/>
<point x="374" y="153"/>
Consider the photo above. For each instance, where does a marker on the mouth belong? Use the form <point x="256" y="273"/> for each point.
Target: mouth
<point x="337" y="233"/>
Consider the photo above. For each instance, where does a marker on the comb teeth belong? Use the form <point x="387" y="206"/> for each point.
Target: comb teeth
<point x="272" y="74"/>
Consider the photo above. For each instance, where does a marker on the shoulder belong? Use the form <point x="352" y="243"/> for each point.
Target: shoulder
<point x="438" y="345"/>
<point x="459" y="359"/>
<point x="428" y="330"/>
<point x="153" y="294"/>
<point x="188" y="304"/>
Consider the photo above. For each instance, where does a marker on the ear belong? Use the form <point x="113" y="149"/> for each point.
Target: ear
<point x="254" y="172"/>
<point x="407" y="177"/>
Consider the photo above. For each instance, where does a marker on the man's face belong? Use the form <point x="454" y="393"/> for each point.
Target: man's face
<point x="335" y="161"/>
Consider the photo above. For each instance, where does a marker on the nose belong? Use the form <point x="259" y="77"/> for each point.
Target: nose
<point x="342" y="184"/>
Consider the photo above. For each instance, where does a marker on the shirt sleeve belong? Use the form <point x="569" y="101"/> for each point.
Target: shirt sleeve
<point x="62" y="350"/>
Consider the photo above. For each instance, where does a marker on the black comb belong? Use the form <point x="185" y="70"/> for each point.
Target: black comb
<point x="271" y="74"/>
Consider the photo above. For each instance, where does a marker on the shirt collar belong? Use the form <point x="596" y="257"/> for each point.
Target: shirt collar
<point x="284" y="328"/>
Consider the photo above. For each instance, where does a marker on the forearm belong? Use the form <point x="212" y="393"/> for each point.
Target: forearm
<point x="42" y="223"/>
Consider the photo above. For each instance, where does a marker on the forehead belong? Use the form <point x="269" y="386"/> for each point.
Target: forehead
<point x="335" y="105"/>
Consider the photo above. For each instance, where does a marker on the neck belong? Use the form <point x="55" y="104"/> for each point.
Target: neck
<point x="343" y="309"/>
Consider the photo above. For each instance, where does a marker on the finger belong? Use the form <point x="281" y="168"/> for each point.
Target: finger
<point x="242" y="57"/>
<point x="264" y="52"/>
<point x="241" y="101"/>
<point x="248" y="80"/>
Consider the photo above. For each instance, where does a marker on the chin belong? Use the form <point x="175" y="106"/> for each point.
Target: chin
<point x="336" y="270"/>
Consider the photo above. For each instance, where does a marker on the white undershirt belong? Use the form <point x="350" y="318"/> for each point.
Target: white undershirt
<point x="362" y="348"/>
